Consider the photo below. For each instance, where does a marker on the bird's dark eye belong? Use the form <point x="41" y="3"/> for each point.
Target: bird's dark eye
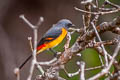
<point x="69" y="25"/>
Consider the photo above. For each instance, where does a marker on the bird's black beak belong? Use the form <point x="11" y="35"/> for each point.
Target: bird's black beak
<point x="73" y="25"/>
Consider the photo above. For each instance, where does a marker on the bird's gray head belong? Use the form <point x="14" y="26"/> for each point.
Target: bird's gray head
<point x="65" y="23"/>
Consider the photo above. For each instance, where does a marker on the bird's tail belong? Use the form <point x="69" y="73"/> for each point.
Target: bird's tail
<point x="29" y="57"/>
<point x="39" y="50"/>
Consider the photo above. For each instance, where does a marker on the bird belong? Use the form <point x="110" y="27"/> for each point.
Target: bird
<point x="52" y="37"/>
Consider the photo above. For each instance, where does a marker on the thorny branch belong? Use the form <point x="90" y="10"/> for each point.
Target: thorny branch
<point x="86" y="39"/>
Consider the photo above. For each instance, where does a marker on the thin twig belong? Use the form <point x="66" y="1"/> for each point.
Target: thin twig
<point x="87" y="16"/>
<point x="95" y="20"/>
<point x="100" y="57"/>
<point x="31" y="45"/>
<point x="87" y="69"/>
<point x="105" y="52"/>
<point x="106" y="70"/>
<point x="82" y="73"/>
<point x="26" y="21"/>
<point x="111" y="4"/>
<point x="96" y="3"/>
<point x="48" y="63"/>
<point x="34" y="61"/>
<point x="98" y="13"/>
<point x="84" y="26"/>
<point x="86" y="1"/>
<point x="35" y="31"/>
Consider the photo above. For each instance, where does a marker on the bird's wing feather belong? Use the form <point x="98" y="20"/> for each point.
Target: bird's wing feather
<point x="50" y="35"/>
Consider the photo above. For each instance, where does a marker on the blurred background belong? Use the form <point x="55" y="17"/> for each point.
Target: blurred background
<point x="14" y="45"/>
